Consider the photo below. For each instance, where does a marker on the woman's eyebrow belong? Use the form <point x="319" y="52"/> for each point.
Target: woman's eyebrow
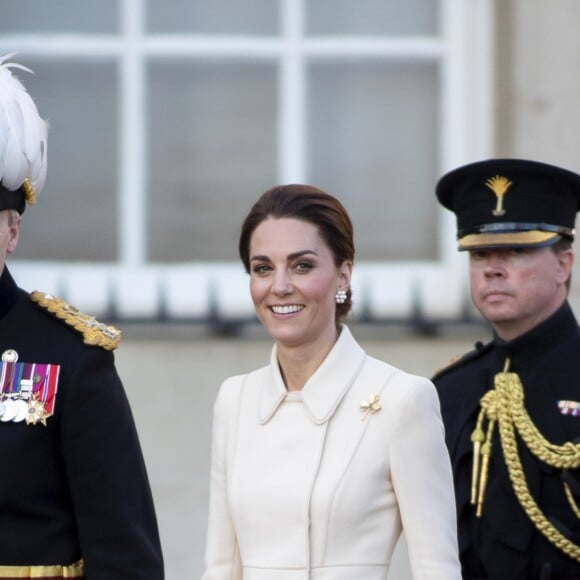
<point x="292" y="256"/>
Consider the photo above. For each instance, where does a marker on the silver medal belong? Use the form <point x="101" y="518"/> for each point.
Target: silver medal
<point x="10" y="410"/>
<point x="9" y="355"/>
<point x="22" y="410"/>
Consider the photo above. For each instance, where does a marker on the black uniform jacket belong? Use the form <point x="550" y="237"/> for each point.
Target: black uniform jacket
<point x="76" y="487"/>
<point x="503" y="543"/>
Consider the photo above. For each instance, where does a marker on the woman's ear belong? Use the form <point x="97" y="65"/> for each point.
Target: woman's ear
<point x="345" y="275"/>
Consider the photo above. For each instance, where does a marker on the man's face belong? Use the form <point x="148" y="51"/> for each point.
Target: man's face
<point x="517" y="288"/>
<point x="9" y="232"/>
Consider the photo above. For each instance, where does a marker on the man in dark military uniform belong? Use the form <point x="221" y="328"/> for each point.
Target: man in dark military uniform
<point x="75" y="501"/>
<point x="511" y="408"/>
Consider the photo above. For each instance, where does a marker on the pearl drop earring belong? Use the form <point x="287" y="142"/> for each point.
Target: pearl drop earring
<point x="340" y="297"/>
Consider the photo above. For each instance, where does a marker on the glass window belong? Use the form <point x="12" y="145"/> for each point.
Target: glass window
<point x="215" y="17"/>
<point x="72" y="16"/>
<point x="347" y="95"/>
<point x="212" y="143"/>
<point x="76" y="214"/>
<point x="373" y="17"/>
<point x="373" y="142"/>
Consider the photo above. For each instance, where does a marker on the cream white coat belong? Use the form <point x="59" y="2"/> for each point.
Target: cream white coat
<point x="303" y="486"/>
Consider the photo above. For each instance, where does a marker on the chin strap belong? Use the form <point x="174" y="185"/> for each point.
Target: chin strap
<point x="504" y="406"/>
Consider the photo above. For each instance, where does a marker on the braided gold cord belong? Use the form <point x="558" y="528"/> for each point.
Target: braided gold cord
<point x="486" y="456"/>
<point x="564" y="456"/>
<point x="511" y="415"/>
<point x="477" y="438"/>
<point x="571" y="500"/>
<point x="482" y="449"/>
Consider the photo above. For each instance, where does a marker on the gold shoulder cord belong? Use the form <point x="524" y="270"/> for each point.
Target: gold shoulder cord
<point x="504" y="405"/>
<point x="94" y="332"/>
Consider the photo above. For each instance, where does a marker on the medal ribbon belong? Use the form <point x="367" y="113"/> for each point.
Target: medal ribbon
<point x="9" y="382"/>
<point x="43" y="377"/>
<point x="46" y="387"/>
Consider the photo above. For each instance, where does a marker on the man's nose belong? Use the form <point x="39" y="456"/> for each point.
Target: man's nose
<point x="494" y="267"/>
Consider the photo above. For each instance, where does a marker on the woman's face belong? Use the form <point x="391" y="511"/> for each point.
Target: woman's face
<point x="293" y="282"/>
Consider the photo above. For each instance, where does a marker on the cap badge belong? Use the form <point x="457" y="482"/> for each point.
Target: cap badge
<point x="499" y="185"/>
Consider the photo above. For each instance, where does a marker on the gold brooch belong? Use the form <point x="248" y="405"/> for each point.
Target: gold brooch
<point x="370" y="406"/>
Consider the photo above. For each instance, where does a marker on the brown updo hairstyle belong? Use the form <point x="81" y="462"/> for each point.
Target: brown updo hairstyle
<point x="309" y="204"/>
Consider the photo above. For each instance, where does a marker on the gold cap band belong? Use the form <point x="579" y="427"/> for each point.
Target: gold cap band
<point x="530" y="238"/>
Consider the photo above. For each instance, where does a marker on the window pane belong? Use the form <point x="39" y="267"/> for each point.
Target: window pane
<point x="212" y="152"/>
<point x="76" y="214"/>
<point x="87" y="16"/>
<point x="217" y="16"/>
<point x="373" y="143"/>
<point x="372" y="17"/>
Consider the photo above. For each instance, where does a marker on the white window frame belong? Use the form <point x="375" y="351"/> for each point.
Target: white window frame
<point x="133" y="288"/>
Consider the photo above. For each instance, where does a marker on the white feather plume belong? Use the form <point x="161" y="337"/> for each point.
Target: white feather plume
<point x="23" y="134"/>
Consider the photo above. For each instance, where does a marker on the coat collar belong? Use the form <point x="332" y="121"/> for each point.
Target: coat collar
<point x="9" y="292"/>
<point x="535" y="343"/>
<point x="324" y="389"/>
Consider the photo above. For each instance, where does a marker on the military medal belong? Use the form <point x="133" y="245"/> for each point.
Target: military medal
<point x="10" y="411"/>
<point x="21" y="410"/>
<point x="27" y="390"/>
<point x="36" y="413"/>
<point x="9" y="355"/>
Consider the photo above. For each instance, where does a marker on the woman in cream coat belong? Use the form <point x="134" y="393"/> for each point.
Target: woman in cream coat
<point x="323" y="457"/>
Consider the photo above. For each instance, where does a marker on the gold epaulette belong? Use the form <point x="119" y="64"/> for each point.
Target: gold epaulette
<point x="94" y="332"/>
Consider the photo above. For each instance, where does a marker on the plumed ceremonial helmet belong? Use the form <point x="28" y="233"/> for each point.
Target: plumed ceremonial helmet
<point x="511" y="203"/>
<point x="23" y="141"/>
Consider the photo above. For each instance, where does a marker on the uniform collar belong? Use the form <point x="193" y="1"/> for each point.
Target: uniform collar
<point x="9" y="292"/>
<point x="540" y="339"/>
<point x="324" y="389"/>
